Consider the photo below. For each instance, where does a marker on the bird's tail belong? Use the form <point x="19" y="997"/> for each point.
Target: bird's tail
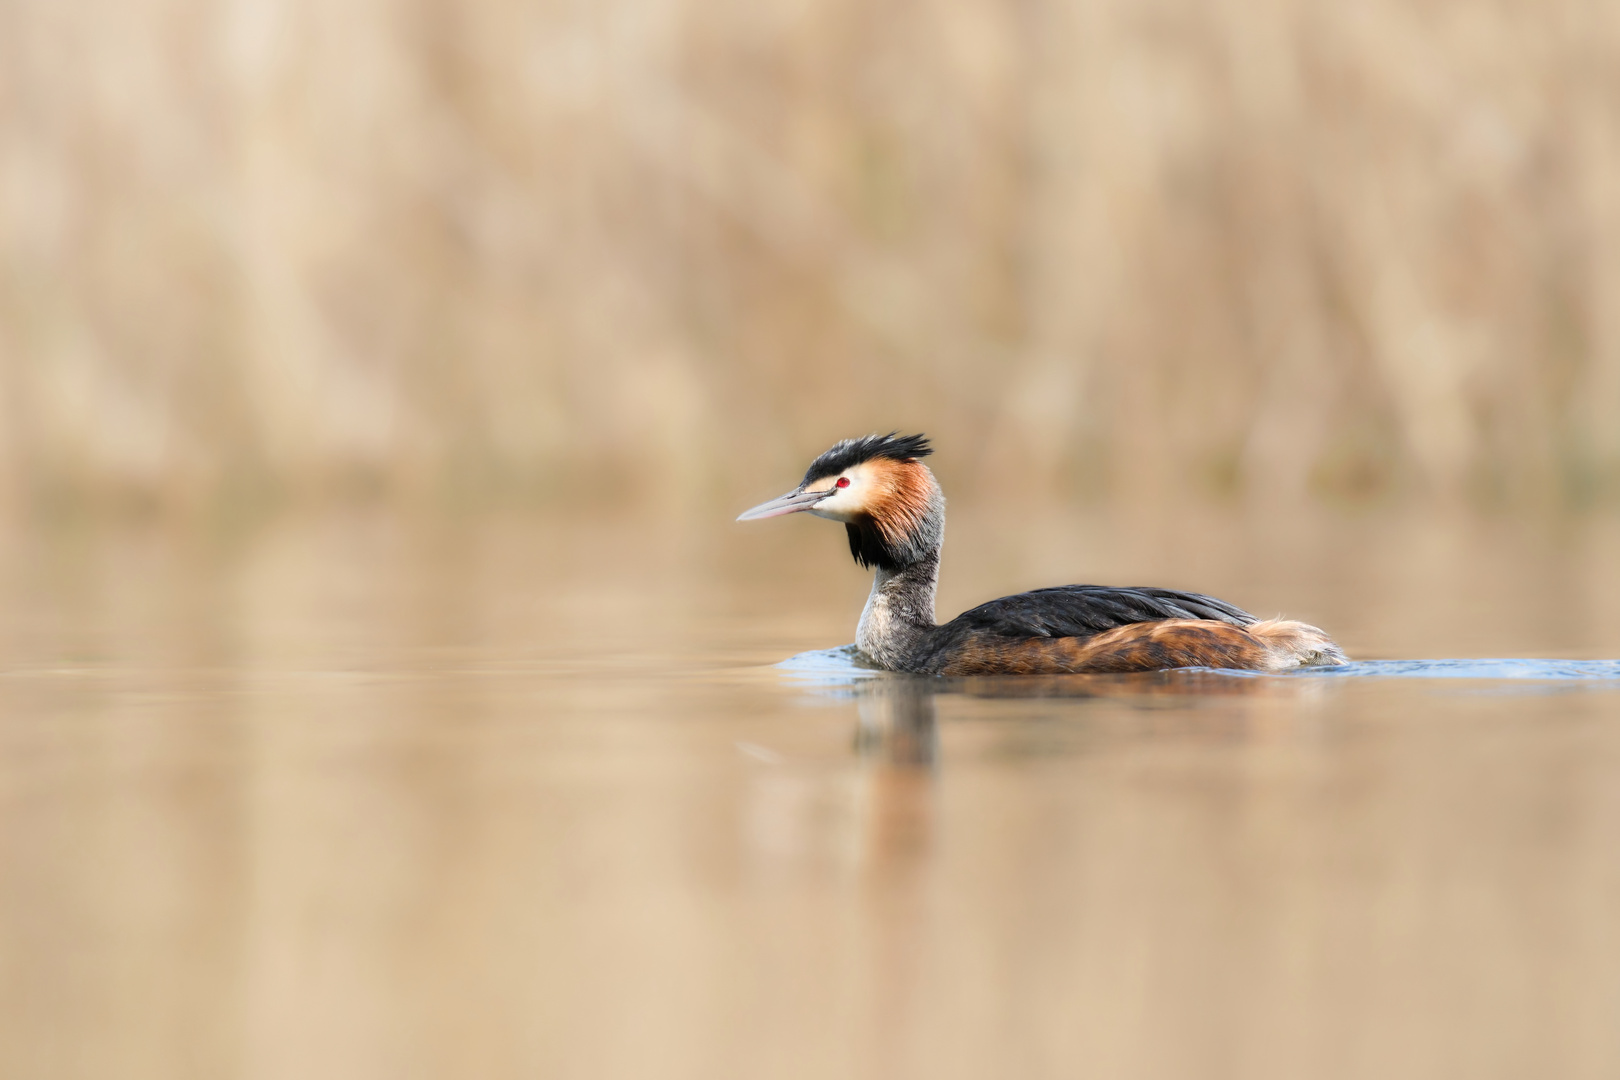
<point x="1295" y="644"/>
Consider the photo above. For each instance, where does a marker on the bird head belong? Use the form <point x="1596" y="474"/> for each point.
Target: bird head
<point x="882" y="492"/>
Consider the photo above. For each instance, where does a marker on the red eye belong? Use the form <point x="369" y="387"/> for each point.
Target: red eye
<point x="843" y="481"/>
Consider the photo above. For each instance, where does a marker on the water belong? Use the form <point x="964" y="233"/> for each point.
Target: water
<point x="372" y="796"/>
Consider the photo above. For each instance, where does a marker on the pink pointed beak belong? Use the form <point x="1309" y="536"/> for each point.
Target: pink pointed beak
<point x="791" y="503"/>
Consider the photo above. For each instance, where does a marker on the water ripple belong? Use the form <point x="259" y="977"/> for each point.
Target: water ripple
<point x="1490" y="668"/>
<point x="846" y="665"/>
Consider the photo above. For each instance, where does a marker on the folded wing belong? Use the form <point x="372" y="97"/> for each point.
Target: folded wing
<point x="1084" y="610"/>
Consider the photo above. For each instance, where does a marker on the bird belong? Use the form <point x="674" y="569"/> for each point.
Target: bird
<point x="893" y="511"/>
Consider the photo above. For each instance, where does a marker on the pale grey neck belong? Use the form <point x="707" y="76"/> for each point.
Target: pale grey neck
<point x="900" y="612"/>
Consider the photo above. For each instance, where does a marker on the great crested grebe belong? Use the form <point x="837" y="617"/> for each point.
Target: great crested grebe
<point x="894" y="512"/>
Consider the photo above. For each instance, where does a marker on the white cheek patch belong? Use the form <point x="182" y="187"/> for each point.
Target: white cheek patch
<point x="849" y="501"/>
<point x="838" y="507"/>
<point x="827" y="510"/>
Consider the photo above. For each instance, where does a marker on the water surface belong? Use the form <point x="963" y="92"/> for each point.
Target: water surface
<point x="370" y="796"/>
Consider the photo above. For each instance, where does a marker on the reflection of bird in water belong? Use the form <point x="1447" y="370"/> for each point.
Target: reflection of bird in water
<point x="894" y="513"/>
<point x="897" y="721"/>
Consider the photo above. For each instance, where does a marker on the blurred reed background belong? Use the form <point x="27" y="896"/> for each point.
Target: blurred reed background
<point x="276" y="250"/>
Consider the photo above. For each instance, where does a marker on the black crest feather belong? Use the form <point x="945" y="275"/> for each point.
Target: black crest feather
<point x="851" y="452"/>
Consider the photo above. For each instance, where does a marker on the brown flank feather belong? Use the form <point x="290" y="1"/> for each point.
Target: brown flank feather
<point x="1273" y="645"/>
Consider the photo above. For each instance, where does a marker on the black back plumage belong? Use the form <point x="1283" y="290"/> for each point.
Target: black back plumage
<point x="1078" y="611"/>
<point x="1083" y="610"/>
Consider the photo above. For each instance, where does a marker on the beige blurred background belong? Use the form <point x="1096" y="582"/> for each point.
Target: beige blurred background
<point x="1314" y="307"/>
<point x="491" y="250"/>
